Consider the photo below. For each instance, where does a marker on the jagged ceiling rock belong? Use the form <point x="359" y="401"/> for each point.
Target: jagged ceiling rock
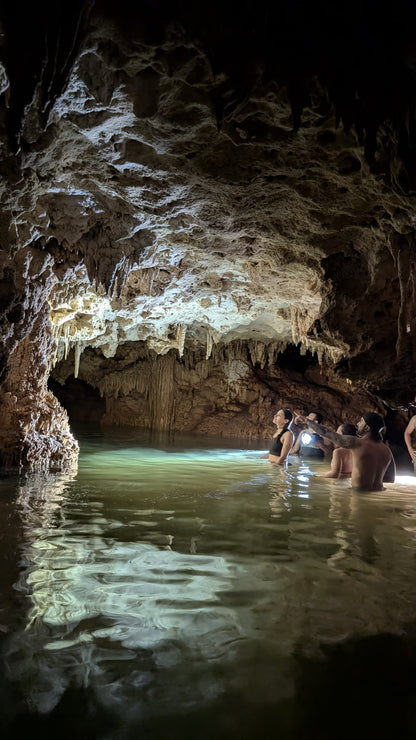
<point x="183" y="172"/>
<point x="233" y="393"/>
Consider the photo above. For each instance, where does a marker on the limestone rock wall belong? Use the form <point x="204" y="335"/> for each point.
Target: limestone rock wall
<point x="35" y="429"/>
<point x="235" y="392"/>
<point x="180" y="207"/>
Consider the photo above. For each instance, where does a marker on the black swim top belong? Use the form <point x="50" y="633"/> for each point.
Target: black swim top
<point x="276" y="444"/>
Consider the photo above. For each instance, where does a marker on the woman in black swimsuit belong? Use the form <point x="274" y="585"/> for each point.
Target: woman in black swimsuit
<point x="282" y="441"/>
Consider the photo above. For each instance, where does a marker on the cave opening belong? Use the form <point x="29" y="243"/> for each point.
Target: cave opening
<point x="82" y="402"/>
<point x="293" y="360"/>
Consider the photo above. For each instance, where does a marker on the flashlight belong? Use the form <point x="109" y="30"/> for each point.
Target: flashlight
<point x="306" y="439"/>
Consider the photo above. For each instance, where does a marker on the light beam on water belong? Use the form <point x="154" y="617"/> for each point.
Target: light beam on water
<point x="164" y="579"/>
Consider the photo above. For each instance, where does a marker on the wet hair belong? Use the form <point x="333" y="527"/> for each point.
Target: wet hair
<point x="319" y="418"/>
<point x="349" y="429"/>
<point x="376" y="424"/>
<point x="288" y="415"/>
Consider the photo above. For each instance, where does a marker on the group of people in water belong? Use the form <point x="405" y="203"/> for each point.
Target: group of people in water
<point x="357" y="452"/>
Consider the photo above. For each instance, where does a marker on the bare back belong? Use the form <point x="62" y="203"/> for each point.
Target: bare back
<point x="370" y="462"/>
<point x="342" y="462"/>
<point x="371" y="459"/>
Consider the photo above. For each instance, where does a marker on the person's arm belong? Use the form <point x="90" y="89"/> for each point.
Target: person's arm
<point x="390" y="474"/>
<point x="336" y="466"/>
<point x="287" y="441"/>
<point x="297" y="429"/>
<point x="325" y="444"/>
<point x="408" y="437"/>
<point x="295" y="448"/>
<point x="342" y="440"/>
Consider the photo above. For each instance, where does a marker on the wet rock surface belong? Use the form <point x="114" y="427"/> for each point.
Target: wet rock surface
<point x="193" y="206"/>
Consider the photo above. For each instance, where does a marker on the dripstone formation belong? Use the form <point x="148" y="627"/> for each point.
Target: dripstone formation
<point x="205" y="215"/>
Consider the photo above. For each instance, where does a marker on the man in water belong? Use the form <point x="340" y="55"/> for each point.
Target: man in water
<point x="372" y="460"/>
<point x="410" y="429"/>
<point x="316" y="447"/>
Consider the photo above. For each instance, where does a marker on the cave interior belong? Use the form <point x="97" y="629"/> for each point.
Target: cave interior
<point x="207" y="214"/>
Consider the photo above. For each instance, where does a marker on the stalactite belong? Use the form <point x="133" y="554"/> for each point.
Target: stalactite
<point x="56" y="332"/>
<point x="79" y="348"/>
<point x="294" y="325"/>
<point x="257" y="353"/>
<point x="204" y="368"/>
<point x="320" y="354"/>
<point x="180" y="338"/>
<point x="276" y="348"/>
<point x="66" y="340"/>
<point x="116" y="283"/>
<point x="209" y="345"/>
<point x="135" y="379"/>
<point x="154" y="274"/>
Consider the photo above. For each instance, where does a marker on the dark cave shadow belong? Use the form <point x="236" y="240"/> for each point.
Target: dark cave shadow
<point x="361" y="688"/>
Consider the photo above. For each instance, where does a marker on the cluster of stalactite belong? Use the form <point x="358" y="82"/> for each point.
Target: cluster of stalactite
<point x="233" y="393"/>
<point x="185" y="377"/>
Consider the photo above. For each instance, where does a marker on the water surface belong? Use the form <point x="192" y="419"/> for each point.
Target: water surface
<point x="188" y="589"/>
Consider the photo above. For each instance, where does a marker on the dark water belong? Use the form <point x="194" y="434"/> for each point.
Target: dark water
<point x="191" y="590"/>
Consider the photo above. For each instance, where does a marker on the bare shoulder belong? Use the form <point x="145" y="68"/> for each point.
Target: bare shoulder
<point x="344" y="453"/>
<point x="412" y="424"/>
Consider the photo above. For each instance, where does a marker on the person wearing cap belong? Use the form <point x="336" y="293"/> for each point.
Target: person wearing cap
<point x="372" y="460"/>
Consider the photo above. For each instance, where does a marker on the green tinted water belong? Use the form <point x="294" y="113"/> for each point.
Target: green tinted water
<point x="192" y="590"/>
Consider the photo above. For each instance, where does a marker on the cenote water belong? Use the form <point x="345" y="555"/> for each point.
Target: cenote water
<point x="188" y="589"/>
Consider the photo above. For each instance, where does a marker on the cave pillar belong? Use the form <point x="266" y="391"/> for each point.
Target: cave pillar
<point x="34" y="431"/>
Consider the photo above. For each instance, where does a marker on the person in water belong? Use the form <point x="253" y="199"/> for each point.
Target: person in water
<point x="410" y="429"/>
<point x="282" y="441"/>
<point x="372" y="460"/>
<point x="317" y="447"/>
<point x="341" y="463"/>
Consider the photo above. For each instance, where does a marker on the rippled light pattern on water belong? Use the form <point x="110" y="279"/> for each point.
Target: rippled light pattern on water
<point x="172" y="580"/>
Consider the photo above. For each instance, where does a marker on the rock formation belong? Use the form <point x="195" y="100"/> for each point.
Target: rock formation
<point x="205" y="215"/>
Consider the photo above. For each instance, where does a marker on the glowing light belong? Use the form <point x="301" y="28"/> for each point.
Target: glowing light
<point x="306" y="438"/>
<point x="406" y="480"/>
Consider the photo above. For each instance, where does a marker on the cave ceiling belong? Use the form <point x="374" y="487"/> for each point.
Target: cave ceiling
<point x="192" y="174"/>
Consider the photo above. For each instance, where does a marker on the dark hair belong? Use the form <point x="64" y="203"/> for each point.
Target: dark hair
<point x="319" y="418"/>
<point x="376" y="424"/>
<point x="288" y="415"/>
<point x="349" y="429"/>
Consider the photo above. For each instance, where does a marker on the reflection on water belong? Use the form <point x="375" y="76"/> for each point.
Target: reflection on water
<point x="178" y="591"/>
